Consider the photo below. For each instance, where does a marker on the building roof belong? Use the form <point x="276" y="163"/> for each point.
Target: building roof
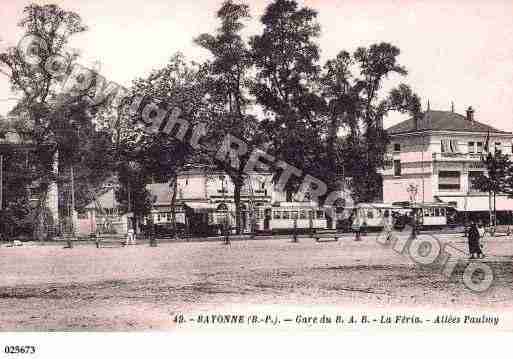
<point x="160" y="192"/>
<point x="442" y="121"/>
<point x="107" y="199"/>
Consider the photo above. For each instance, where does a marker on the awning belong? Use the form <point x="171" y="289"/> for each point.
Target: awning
<point x="200" y="207"/>
<point x="478" y="203"/>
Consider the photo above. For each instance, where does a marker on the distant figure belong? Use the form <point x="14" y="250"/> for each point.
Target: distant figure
<point x="363" y="229"/>
<point x="473" y="242"/>
<point x="481" y="229"/>
<point x="482" y="237"/>
<point x="356" y="226"/>
<point x="130" y="236"/>
<point x="388" y="225"/>
<point x="409" y="226"/>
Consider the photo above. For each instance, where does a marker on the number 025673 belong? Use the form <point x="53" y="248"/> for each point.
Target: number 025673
<point x="19" y="349"/>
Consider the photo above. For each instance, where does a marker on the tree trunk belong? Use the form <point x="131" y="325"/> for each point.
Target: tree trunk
<point x="173" y="205"/>
<point x="237" y="187"/>
<point x="289" y="194"/>
<point x="332" y="155"/>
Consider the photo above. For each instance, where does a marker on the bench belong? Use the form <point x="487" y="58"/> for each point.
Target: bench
<point x="501" y="228"/>
<point x="109" y="242"/>
<point x="326" y="236"/>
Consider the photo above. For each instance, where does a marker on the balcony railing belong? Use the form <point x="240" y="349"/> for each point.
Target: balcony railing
<point x="450" y="156"/>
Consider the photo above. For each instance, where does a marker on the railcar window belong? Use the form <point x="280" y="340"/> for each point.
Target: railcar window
<point x="320" y="214"/>
<point x="277" y="215"/>
<point x="302" y="214"/>
<point x="437" y="212"/>
<point x="370" y="214"/>
<point x="293" y="214"/>
<point x="285" y="215"/>
<point x="426" y="212"/>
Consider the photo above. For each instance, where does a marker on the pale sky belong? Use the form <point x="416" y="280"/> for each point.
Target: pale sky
<point x="456" y="50"/>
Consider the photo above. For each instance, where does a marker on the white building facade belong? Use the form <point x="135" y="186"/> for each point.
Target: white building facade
<point x="435" y="159"/>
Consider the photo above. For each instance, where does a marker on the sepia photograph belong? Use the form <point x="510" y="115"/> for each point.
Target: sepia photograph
<point x="325" y="166"/>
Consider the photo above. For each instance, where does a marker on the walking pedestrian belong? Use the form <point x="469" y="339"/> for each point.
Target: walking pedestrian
<point x="473" y="242"/>
<point x="357" y="227"/>
<point x="388" y="224"/>
<point x="130" y="236"/>
<point x="483" y="236"/>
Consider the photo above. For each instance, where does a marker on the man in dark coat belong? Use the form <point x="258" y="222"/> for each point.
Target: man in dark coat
<point x="473" y="241"/>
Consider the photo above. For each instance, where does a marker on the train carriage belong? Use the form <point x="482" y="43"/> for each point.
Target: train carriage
<point x="374" y="215"/>
<point x="287" y="215"/>
<point x="429" y="215"/>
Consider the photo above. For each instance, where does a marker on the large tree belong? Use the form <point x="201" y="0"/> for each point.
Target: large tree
<point x="498" y="178"/>
<point x="352" y="88"/>
<point x="286" y="57"/>
<point x="229" y="75"/>
<point x="160" y="155"/>
<point x="38" y="68"/>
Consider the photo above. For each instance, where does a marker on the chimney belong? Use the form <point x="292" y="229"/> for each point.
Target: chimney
<point x="470" y="114"/>
<point x="452" y="106"/>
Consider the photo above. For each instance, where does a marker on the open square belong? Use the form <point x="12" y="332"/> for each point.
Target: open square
<point x="141" y="287"/>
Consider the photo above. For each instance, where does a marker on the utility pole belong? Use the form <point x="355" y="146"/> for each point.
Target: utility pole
<point x="73" y="229"/>
<point x="422" y="165"/>
<point x="494" y="211"/>
<point x="129" y="199"/>
<point x="252" y="213"/>
<point x="226" y="224"/>
<point x="1" y="181"/>
<point x="72" y="214"/>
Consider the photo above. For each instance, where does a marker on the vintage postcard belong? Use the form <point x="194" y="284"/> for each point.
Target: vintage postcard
<point x="267" y="166"/>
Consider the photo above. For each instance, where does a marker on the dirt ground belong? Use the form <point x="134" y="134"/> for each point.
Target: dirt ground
<point x="47" y="288"/>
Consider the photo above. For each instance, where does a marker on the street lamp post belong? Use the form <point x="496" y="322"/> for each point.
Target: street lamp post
<point x="131" y="221"/>
<point x="73" y="231"/>
<point x="226" y="219"/>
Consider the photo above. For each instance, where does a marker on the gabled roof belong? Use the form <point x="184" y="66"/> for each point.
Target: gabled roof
<point x="442" y="121"/>
<point x="106" y="199"/>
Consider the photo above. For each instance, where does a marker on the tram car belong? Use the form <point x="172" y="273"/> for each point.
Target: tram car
<point x="286" y="216"/>
<point x="430" y="215"/>
<point x="374" y="216"/>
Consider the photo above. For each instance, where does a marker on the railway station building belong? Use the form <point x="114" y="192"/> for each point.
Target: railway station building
<point x="204" y="196"/>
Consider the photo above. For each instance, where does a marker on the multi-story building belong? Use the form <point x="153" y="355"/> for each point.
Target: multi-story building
<point x="435" y="158"/>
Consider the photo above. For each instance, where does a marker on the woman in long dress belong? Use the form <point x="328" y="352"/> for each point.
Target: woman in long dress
<point x="473" y="241"/>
